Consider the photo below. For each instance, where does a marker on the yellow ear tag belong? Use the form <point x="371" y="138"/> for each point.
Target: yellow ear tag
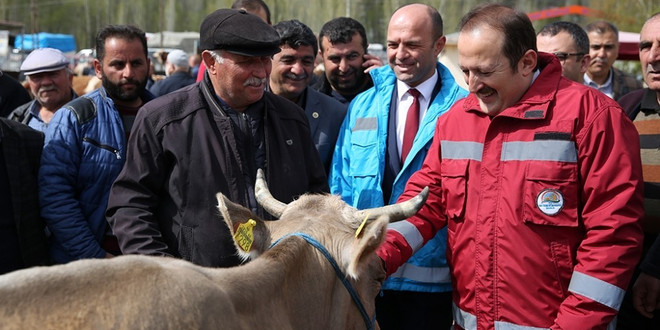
<point x="244" y="236"/>
<point x="359" y="230"/>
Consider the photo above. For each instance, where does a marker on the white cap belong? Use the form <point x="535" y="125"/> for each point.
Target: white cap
<point x="179" y="58"/>
<point x="44" y="60"/>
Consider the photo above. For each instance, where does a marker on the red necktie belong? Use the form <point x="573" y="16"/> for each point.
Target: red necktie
<point x="412" y="124"/>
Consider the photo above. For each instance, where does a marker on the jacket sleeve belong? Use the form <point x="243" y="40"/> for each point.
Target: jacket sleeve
<point x="405" y="237"/>
<point x="133" y="197"/>
<point x="58" y="193"/>
<point x="651" y="264"/>
<point x="339" y="177"/>
<point x="610" y="170"/>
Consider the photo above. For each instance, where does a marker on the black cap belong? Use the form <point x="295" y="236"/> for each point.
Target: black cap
<point x="238" y="32"/>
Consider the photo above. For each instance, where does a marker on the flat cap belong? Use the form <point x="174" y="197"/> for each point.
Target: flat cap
<point x="44" y="60"/>
<point x="238" y="32"/>
<point x="179" y="58"/>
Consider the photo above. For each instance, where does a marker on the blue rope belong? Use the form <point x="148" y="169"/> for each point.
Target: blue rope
<point x="340" y="274"/>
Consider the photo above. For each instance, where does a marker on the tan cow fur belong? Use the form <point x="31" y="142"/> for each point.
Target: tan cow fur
<point x="288" y="287"/>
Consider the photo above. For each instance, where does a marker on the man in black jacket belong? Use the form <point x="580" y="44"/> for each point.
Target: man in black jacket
<point x="23" y="239"/>
<point x="343" y="47"/>
<point x="12" y="94"/>
<point x="212" y="137"/>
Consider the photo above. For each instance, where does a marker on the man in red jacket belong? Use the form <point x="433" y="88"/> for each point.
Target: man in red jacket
<point x="539" y="182"/>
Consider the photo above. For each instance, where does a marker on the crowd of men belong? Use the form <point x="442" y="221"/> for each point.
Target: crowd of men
<point x="544" y="199"/>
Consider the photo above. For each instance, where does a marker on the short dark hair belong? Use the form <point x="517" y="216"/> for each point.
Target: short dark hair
<point x="252" y="5"/>
<point x="576" y="32"/>
<point x="601" y="27"/>
<point x="294" y="33"/>
<point x="515" y="26"/>
<point x="341" y="30"/>
<point x="126" y="32"/>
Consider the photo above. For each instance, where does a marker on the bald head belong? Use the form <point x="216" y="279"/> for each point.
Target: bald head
<point x="425" y="13"/>
<point x="414" y="41"/>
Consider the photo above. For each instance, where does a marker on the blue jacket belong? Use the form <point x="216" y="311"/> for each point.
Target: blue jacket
<point x="358" y="166"/>
<point x="84" y="151"/>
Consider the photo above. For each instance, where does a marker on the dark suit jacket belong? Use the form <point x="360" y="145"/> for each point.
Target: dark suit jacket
<point x="623" y="83"/>
<point x="21" y="146"/>
<point x="325" y="115"/>
<point x="176" y="80"/>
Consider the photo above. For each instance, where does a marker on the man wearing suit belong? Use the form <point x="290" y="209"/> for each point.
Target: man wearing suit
<point x="383" y="141"/>
<point x="292" y="72"/>
<point x="23" y="239"/>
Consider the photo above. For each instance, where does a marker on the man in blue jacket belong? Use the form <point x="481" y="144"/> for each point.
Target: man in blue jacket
<point x="383" y="141"/>
<point x="85" y="147"/>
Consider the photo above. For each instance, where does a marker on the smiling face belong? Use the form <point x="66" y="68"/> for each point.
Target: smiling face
<point x="292" y="71"/>
<point x="239" y="80"/>
<point x="649" y="54"/>
<point x="412" y="48"/>
<point x="51" y="89"/>
<point x="343" y="64"/>
<point x="487" y="71"/>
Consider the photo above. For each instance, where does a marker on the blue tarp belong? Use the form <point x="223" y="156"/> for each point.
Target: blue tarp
<point x="63" y="42"/>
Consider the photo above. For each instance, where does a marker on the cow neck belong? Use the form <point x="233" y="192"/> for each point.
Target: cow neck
<point x="369" y="322"/>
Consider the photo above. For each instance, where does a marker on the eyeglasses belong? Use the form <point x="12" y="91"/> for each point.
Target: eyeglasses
<point x="561" y="56"/>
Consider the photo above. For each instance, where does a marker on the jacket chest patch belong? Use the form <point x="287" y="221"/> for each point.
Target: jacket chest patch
<point x="550" y="201"/>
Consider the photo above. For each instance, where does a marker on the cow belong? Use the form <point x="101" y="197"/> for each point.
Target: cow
<point x="314" y="268"/>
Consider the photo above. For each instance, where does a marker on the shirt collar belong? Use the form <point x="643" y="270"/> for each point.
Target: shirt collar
<point x="605" y="88"/>
<point x="425" y="88"/>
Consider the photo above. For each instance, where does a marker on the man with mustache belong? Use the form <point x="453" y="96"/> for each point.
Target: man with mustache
<point x="212" y="137"/>
<point x="85" y="147"/>
<point x="292" y="71"/>
<point x="604" y="49"/>
<point x="50" y="79"/>
<point x="254" y="7"/>
<point x="343" y="47"/>
<point x="643" y="108"/>
<point x="538" y="180"/>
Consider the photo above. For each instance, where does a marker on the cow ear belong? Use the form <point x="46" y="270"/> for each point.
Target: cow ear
<point x="251" y="237"/>
<point x="372" y="237"/>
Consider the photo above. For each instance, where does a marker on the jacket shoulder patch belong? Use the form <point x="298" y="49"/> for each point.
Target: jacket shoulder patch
<point x="84" y="109"/>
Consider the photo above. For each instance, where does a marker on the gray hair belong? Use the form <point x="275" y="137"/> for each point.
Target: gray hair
<point x="216" y="56"/>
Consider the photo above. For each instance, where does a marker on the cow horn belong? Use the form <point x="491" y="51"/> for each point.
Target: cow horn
<point x="265" y="199"/>
<point x="398" y="211"/>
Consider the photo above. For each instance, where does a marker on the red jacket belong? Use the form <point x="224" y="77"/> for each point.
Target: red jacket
<point x="542" y="205"/>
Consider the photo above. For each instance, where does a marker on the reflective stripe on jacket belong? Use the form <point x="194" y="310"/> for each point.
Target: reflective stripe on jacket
<point x="542" y="204"/>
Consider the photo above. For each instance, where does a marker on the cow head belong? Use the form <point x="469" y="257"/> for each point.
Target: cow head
<point x="348" y="239"/>
<point x="325" y="217"/>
